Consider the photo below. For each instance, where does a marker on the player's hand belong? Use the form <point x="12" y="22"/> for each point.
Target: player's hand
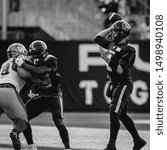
<point x="106" y="54"/>
<point x="32" y="95"/>
<point x="116" y="49"/>
<point x="19" y="60"/>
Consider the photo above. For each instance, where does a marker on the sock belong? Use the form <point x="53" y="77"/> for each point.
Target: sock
<point x="64" y="135"/>
<point x="114" y="127"/>
<point x="129" y="124"/>
<point x="28" y="134"/>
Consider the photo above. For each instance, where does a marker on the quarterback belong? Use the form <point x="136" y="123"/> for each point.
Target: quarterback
<point x="119" y="56"/>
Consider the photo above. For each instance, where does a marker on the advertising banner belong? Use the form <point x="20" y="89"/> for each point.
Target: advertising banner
<point x="84" y="76"/>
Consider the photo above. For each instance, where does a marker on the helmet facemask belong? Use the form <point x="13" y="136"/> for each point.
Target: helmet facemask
<point x="15" y="50"/>
<point x="120" y="30"/>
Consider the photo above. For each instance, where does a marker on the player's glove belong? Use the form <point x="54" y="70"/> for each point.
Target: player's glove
<point x="20" y="60"/>
<point x="116" y="49"/>
<point x="106" y="54"/>
<point x="32" y="95"/>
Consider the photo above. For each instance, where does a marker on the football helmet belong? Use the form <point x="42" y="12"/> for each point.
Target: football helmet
<point x="38" y="49"/>
<point x="119" y="30"/>
<point x="16" y="49"/>
<point x="113" y="17"/>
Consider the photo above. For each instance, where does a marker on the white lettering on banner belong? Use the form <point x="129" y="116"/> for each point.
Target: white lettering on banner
<point x="140" y="93"/>
<point x="139" y="63"/>
<point x="85" y="61"/>
<point x="88" y="85"/>
<point x="104" y="93"/>
<point x="137" y="97"/>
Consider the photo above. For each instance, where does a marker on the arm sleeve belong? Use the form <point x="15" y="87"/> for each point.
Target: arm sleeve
<point x="34" y="70"/>
<point x="52" y="63"/>
<point x="102" y="42"/>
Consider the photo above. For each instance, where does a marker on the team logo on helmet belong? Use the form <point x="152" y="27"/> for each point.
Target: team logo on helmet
<point x="16" y="49"/>
<point x="38" y="50"/>
<point x="125" y="26"/>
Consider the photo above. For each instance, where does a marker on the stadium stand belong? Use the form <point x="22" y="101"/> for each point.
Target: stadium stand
<point x="66" y="19"/>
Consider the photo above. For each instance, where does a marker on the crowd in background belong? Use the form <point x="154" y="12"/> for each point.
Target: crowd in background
<point x="135" y="12"/>
<point x="127" y="8"/>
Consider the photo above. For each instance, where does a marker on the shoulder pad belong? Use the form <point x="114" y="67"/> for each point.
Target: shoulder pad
<point x="49" y="56"/>
<point x="131" y="47"/>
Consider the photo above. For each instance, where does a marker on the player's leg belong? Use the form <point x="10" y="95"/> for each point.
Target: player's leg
<point x="29" y="138"/>
<point x="130" y="126"/>
<point x="118" y="99"/>
<point x="34" y="108"/>
<point x="13" y="106"/>
<point x="56" y="108"/>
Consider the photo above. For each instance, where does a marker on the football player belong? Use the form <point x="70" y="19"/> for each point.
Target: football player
<point x="11" y="83"/>
<point x="43" y="97"/>
<point x="119" y="56"/>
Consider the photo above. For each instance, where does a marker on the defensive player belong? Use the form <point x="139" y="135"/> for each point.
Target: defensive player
<point x="11" y="82"/>
<point x="119" y="56"/>
<point x="50" y="96"/>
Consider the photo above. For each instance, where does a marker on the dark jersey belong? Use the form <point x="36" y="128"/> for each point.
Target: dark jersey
<point x="52" y="76"/>
<point x="125" y="58"/>
<point x="45" y="70"/>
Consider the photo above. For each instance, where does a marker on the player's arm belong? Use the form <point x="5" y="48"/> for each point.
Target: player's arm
<point x="110" y="58"/>
<point x="101" y="39"/>
<point x="106" y="54"/>
<point x="27" y="76"/>
<point x="36" y="70"/>
<point x="40" y="70"/>
<point x="125" y="62"/>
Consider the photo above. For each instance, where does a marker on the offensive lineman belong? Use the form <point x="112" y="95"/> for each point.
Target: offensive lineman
<point x="44" y="65"/>
<point x="11" y="83"/>
<point x="119" y="56"/>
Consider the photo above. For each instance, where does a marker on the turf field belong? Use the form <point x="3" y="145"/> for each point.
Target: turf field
<point x="88" y="131"/>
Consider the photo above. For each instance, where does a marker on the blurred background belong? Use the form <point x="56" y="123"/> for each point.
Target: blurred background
<point x="68" y="28"/>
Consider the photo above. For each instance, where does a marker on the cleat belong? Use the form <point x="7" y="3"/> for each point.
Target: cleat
<point x="31" y="147"/>
<point x="14" y="135"/>
<point x="138" y="144"/>
<point x="110" y="147"/>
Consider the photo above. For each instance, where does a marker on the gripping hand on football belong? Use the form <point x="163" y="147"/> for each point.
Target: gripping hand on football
<point x="32" y="95"/>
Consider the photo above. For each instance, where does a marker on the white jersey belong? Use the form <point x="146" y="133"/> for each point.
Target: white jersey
<point x="9" y="75"/>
